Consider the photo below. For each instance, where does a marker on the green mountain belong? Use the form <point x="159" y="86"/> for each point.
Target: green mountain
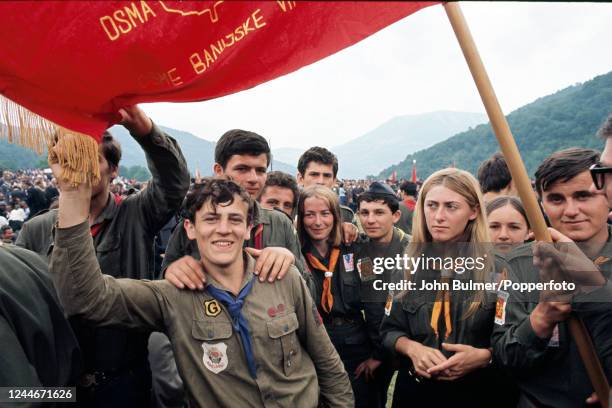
<point x="567" y="118"/>
<point x="17" y="157"/>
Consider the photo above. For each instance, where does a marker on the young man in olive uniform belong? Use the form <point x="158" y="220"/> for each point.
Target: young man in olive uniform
<point x="116" y="370"/>
<point x="531" y="336"/>
<point x="318" y="165"/>
<point x="378" y="212"/>
<point x="244" y="157"/>
<point x="239" y="342"/>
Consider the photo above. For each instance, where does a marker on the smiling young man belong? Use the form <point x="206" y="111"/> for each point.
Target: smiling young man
<point x="239" y="342"/>
<point x="244" y="157"/>
<point x="531" y="335"/>
<point x="378" y="211"/>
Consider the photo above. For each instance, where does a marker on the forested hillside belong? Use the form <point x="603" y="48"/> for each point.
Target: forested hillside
<point x="567" y="118"/>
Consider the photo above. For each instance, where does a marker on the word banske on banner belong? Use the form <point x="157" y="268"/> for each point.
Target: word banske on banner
<point x="75" y="63"/>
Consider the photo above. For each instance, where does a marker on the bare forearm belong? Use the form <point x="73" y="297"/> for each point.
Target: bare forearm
<point x="404" y="345"/>
<point x="73" y="208"/>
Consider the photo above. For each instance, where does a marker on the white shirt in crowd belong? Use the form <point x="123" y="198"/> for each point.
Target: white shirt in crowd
<point x="17" y="215"/>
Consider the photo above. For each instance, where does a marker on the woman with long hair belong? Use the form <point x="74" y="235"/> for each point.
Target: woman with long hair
<point x="336" y="286"/>
<point x="508" y="223"/>
<point x="441" y="325"/>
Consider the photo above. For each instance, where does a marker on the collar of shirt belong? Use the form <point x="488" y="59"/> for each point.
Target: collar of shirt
<point x="263" y="215"/>
<point x="248" y="275"/>
<point x="109" y="210"/>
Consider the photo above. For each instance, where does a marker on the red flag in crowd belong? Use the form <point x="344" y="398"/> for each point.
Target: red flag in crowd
<point x="414" y="174"/>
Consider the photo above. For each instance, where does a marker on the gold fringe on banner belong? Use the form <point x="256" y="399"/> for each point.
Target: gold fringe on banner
<point x="77" y="153"/>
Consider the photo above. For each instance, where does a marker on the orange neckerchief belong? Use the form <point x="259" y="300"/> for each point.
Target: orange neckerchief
<point x="440" y="306"/>
<point x="327" y="300"/>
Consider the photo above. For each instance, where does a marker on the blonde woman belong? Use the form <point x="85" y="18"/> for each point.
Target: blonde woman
<point x="440" y="326"/>
<point x="336" y="286"/>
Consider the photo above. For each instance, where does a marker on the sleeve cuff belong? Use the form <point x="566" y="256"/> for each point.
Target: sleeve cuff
<point x="379" y="353"/>
<point x="390" y="339"/>
<point x="71" y="236"/>
<point x="526" y="336"/>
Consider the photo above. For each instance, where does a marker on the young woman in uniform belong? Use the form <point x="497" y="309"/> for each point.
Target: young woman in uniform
<point x="442" y="335"/>
<point x="336" y="286"/>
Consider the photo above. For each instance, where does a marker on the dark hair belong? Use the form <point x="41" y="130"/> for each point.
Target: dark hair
<point x="605" y="131"/>
<point x="283" y="180"/>
<point x="408" y="188"/>
<point x="503" y="201"/>
<point x="493" y="174"/>
<point x="237" y="141"/>
<point x="318" y="155"/>
<point x="5" y="228"/>
<point x="389" y="200"/>
<point x="564" y="165"/>
<point x="220" y="191"/>
<point x="110" y="149"/>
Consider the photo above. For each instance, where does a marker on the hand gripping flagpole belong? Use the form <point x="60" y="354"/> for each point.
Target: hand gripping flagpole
<point x="522" y="183"/>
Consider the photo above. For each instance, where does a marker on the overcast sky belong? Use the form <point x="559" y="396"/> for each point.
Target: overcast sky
<point x="413" y="66"/>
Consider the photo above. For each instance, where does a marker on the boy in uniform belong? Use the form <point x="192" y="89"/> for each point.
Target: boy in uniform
<point x="239" y="342"/>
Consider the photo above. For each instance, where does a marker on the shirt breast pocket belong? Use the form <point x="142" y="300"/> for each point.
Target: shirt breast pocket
<point x="283" y="329"/>
<point x="209" y="331"/>
<point x="216" y="350"/>
<point x="418" y="315"/>
<point x="480" y="323"/>
<point x="351" y="290"/>
<point x="109" y="256"/>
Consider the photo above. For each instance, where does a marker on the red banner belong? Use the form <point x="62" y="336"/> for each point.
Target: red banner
<point x="76" y="63"/>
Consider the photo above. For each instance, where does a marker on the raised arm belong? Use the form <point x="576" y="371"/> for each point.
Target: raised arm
<point x="82" y="289"/>
<point x="170" y="177"/>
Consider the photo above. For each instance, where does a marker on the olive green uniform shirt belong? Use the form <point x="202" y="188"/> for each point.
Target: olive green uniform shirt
<point x="123" y="246"/>
<point x="38" y="345"/>
<point x="374" y="300"/>
<point x="297" y="364"/>
<point x="549" y="371"/>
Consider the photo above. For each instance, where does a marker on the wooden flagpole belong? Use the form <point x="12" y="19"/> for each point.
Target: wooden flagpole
<point x="522" y="183"/>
